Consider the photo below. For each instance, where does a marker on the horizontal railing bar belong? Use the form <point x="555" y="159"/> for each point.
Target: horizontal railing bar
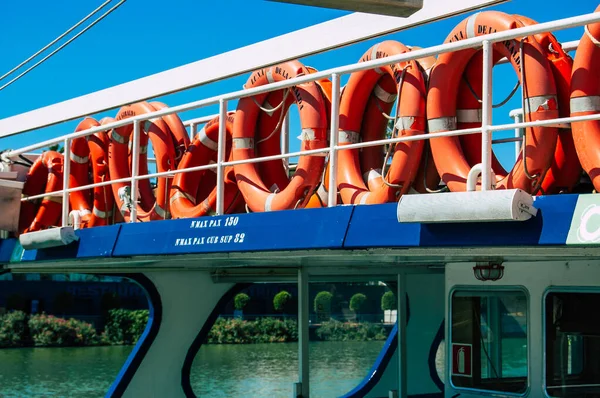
<point x="506" y="140"/>
<point x="450" y="133"/>
<point x="550" y="122"/>
<point x="200" y="120"/>
<point x="412" y="55"/>
<point x="172" y="173"/>
<point x="121" y="180"/>
<point x="566" y="46"/>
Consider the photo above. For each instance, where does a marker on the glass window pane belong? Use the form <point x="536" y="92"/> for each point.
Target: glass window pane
<point x="572" y="345"/>
<point x="489" y="341"/>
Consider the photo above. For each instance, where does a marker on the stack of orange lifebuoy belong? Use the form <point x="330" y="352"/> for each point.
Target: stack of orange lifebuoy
<point x="585" y="100"/>
<point x="432" y="96"/>
<point x="453" y="159"/>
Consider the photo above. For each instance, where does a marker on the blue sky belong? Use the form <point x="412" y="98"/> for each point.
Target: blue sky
<point x="144" y="37"/>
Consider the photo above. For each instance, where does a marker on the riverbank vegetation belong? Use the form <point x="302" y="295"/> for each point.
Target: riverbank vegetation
<point x="124" y="327"/>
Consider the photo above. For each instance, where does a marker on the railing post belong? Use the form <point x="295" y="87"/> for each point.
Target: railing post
<point x="401" y="321"/>
<point x="221" y="157"/>
<point x="303" y="331"/>
<point x="333" y="140"/>
<point x="66" y="178"/>
<point x="518" y="134"/>
<point x="193" y="131"/>
<point x="285" y="142"/>
<point x="486" y="118"/>
<point x="135" y="170"/>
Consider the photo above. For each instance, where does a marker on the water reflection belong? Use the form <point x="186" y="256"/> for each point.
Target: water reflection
<point x="271" y="369"/>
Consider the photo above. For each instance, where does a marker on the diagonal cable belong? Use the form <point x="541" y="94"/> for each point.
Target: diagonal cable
<point x="63" y="45"/>
<point x="54" y="41"/>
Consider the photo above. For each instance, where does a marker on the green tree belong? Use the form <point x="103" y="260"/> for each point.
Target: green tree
<point x="281" y="301"/>
<point x="56" y="147"/>
<point x="323" y="305"/>
<point x="357" y="302"/>
<point x="240" y="301"/>
<point x="388" y="301"/>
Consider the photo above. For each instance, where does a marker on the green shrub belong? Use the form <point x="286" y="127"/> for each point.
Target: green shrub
<point x="388" y="301"/>
<point x="240" y="301"/>
<point x="345" y="331"/>
<point x="357" y="302"/>
<point x="323" y="305"/>
<point x="281" y="301"/>
<point x="125" y="326"/>
<point x="263" y="330"/>
<point x="14" y="331"/>
<point x="50" y="331"/>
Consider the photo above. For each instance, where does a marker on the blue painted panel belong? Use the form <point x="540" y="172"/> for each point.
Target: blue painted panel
<point x="93" y="242"/>
<point x="6" y="249"/>
<point x="377" y="226"/>
<point x="282" y="230"/>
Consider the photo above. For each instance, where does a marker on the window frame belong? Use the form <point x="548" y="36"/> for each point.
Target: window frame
<point x="481" y="290"/>
<point x="547" y="291"/>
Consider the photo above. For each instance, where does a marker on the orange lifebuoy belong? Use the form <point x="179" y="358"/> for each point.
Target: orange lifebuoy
<point x="321" y="197"/>
<point x="565" y="171"/>
<point x="94" y="207"/>
<point x="313" y="117"/>
<point x="80" y="170"/>
<point x="103" y="200"/>
<point x="45" y="175"/>
<point x="268" y="139"/>
<point x="366" y="97"/>
<point x="150" y="207"/>
<point x="585" y="100"/>
<point x="181" y="139"/>
<point x="427" y="178"/>
<point x="540" y="104"/>
<point x="184" y="190"/>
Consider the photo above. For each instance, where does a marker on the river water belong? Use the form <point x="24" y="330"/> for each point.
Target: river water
<point x="254" y="370"/>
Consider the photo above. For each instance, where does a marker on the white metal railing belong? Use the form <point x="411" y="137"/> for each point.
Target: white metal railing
<point x="487" y="128"/>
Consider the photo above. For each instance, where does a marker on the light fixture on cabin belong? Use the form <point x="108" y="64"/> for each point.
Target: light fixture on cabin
<point x="488" y="271"/>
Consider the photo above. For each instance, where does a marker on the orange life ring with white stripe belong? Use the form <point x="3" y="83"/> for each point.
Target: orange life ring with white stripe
<point x="313" y="117"/>
<point x="150" y="207"/>
<point x="45" y="175"/>
<point x="268" y="138"/>
<point x="202" y="151"/>
<point x="94" y="206"/>
<point x="565" y="171"/>
<point x="366" y="97"/>
<point x="541" y="104"/>
<point x="585" y="100"/>
<point x="181" y="138"/>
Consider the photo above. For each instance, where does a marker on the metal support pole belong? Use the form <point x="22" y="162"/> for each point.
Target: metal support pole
<point x="333" y="139"/>
<point x="193" y="131"/>
<point x="285" y="142"/>
<point x="401" y="319"/>
<point x="486" y="118"/>
<point x="303" y="308"/>
<point x="135" y="170"/>
<point x="66" y="178"/>
<point x="221" y="157"/>
<point x="518" y="134"/>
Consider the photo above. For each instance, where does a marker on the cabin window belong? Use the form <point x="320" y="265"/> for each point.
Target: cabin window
<point x="572" y="331"/>
<point x="489" y="341"/>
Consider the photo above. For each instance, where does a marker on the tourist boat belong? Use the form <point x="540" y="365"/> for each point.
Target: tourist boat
<point x="479" y="257"/>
